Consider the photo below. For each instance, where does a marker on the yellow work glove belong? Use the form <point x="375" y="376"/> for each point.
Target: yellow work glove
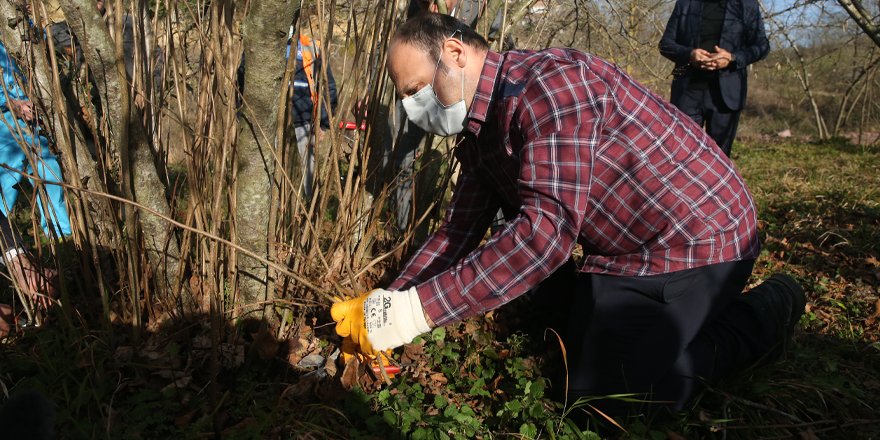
<point x="349" y="317"/>
<point x="380" y="320"/>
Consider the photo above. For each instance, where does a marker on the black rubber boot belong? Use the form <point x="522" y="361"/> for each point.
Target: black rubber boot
<point x="778" y="303"/>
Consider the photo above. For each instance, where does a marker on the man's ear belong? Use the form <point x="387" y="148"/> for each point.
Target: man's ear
<point x="456" y="49"/>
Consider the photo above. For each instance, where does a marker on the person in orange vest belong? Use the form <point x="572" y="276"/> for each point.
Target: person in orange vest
<point x="306" y="86"/>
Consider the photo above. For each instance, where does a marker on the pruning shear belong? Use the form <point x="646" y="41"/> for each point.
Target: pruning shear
<point x="378" y="365"/>
<point x="390" y="370"/>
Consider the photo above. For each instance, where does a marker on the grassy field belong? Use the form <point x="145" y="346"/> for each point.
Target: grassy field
<point x="819" y="206"/>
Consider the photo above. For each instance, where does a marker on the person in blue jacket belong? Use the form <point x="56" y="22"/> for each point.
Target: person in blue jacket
<point x="19" y="131"/>
<point x="711" y="43"/>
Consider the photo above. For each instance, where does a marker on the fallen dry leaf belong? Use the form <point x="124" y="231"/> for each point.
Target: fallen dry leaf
<point x="330" y="366"/>
<point x="809" y="434"/>
<point x="439" y="378"/>
<point x="870" y="320"/>
<point x="350" y="374"/>
<point x="185" y="419"/>
<point x="297" y="348"/>
<point x="674" y="436"/>
<point x="265" y="344"/>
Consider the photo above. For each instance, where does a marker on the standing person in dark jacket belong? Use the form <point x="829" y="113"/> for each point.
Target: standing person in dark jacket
<point x="712" y="42"/>
<point x="306" y="86"/>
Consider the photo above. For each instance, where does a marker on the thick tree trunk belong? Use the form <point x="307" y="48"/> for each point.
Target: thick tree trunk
<point x="105" y="59"/>
<point x="265" y="37"/>
<point x="160" y="241"/>
<point x="107" y="68"/>
<point x="139" y="177"/>
<point x="148" y="184"/>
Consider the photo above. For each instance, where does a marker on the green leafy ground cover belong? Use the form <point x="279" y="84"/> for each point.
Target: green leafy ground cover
<point x="819" y="206"/>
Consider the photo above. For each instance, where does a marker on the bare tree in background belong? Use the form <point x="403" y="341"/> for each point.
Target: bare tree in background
<point x="864" y="18"/>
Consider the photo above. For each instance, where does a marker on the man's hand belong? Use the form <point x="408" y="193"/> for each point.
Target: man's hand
<point x="38" y="283"/>
<point x="718" y="60"/>
<point x="22" y="109"/>
<point x="380" y="320"/>
<point x="699" y="58"/>
<point x="721" y="58"/>
<point x="349" y="317"/>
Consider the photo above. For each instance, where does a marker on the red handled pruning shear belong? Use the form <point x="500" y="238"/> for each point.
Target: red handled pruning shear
<point x="349" y="125"/>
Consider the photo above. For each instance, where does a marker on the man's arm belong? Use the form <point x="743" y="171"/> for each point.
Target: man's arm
<point x="467" y="220"/>
<point x="669" y="46"/>
<point x="756" y="46"/>
<point x="553" y="184"/>
<point x="359" y="321"/>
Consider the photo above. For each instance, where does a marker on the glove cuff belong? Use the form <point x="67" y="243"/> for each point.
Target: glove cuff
<point x="393" y="318"/>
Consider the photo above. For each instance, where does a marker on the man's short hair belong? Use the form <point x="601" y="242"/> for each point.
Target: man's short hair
<point x="428" y="31"/>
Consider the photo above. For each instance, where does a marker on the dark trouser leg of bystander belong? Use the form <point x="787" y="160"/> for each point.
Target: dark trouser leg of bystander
<point x="706" y="107"/>
<point x="306" y="150"/>
<point x="721" y="122"/>
<point x="27" y="415"/>
<point x="408" y="139"/>
<point x="692" y="103"/>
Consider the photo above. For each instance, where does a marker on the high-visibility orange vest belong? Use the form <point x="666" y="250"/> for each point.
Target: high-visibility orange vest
<point x="309" y="55"/>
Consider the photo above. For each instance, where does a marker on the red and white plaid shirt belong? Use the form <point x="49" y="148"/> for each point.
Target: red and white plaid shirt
<point x="576" y="152"/>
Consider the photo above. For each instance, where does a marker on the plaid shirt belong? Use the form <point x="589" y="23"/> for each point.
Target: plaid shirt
<point x="576" y="152"/>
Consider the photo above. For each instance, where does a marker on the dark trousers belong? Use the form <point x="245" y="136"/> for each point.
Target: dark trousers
<point x="706" y="107"/>
<point x="657" y="336"/>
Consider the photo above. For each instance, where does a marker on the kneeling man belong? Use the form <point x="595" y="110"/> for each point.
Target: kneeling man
<point x="575" y="152"/>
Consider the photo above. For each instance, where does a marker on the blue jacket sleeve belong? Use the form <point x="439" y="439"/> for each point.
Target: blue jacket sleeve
<point x="11" y="74"/>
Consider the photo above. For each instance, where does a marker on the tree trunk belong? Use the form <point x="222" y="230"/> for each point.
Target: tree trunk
<point x="139" y="177"/>
<point x="265" y="35"/>
<point x="108" y="69"/>
<point x="149" y="185"/>
<point x="160" y="242"/>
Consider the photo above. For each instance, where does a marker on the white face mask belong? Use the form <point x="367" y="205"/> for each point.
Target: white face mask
<point x="426" y="111"/>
